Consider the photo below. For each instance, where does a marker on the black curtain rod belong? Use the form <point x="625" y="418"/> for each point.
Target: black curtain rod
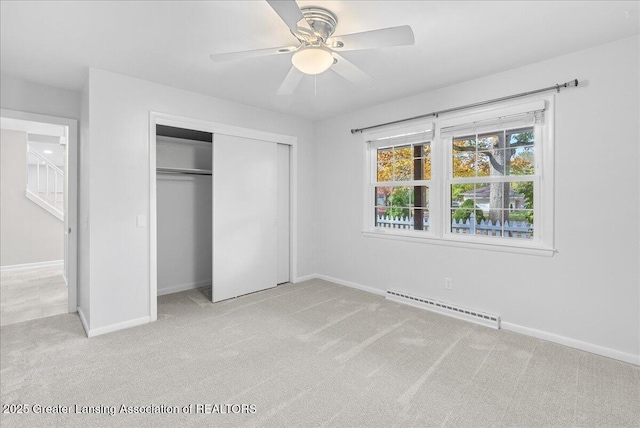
<point x="437" y="113"/>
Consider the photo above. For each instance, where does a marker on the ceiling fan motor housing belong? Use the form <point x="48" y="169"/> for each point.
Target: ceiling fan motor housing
<point x="322" y="21"/>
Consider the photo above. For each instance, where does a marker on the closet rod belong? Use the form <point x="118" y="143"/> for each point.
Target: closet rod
<point x="183" y="171"/>
<point x="556" y="87"/>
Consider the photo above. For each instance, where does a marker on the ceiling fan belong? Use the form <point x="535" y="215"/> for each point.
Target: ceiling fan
<point x="318" y="49"/>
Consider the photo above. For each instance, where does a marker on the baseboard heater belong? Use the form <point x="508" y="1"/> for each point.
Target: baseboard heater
<point x="477" y="317"/>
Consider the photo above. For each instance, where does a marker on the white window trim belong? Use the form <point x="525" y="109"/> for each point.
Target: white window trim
<point x="439" y="224"/>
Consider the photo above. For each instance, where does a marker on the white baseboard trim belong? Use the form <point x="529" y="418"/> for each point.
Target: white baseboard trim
<point x="32" y="265"/>
<point x="357" y="286"/>
<point x="119" y="326"/>
<point x="573" y="343"/>
<point x="551" y="337"/>
<point x="83" y="320"/>
<point x="305" y="278"/>
<point x="183" y="287"/>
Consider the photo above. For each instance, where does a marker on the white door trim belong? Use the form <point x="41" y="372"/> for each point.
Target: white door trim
<point x="71" y="200"/>
<point x="156" y="118"/>
<point x="283" y="213"/>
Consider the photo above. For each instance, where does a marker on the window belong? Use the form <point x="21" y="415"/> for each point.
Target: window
<point x="475" y="179"/>
<point x="402" y="180"/>
<point x="493" y="178"/>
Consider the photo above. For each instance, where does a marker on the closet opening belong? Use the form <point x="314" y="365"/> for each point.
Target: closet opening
<point x="184" y="209"/>
<point x="222" y="209"/>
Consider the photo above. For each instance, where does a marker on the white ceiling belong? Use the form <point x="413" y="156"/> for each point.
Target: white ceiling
<point x="169" y="42"/>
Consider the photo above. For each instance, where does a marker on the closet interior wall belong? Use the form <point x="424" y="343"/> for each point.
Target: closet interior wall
<point x="184" y="208"/>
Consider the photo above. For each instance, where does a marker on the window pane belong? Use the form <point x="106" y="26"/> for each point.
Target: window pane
<point x="491" y="223"/>
<point x="422" y="161"/>
<point x="468" y="142"/>
<point x="419" y="169"/>
<point x="464" y="164"/>
<point x="521" y="161"/>
<point x="402" y="207"/>
<point x="457" y="191"/>
<point x="494" y="161"/>
<point x="493" y="198"/>
<point x="467" y="204"/>
<point x="420" y="219"/>
<point x="464" y="157"/>
<point x="520" y="137"/>
<point x="522" y="197"/>
<point x="421" y="196"/>
<point x="382" y="198"/>
<point x="401" y="200"/>
<point x="483" y="164"/>
<point x="381" y="218"/>
<point x="402" y="163"/>
<point x="426" y="169"/>
<point x="385" y="157"/>
<point x="519" y="224"/>
<point x="490" y="141"/>
<point x="460" y="220"/>
<point x="500" y="209"/>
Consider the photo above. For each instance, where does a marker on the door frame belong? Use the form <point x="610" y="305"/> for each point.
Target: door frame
<point x="157" y="118"/>
<point x="71" y="196"/>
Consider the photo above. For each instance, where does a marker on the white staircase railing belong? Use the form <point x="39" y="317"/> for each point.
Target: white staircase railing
<point x="45" y="183"/>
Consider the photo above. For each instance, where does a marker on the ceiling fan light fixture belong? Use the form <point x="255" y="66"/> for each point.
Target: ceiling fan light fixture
<point x="312" y="60"/>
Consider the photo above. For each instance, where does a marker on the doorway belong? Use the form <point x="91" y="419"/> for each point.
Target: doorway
<point x="38" y="257"/>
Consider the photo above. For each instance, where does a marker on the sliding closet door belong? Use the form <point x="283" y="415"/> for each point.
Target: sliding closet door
<point x="244" y="216"/>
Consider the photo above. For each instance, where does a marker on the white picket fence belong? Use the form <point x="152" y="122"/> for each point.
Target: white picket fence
<point x="399" y="222"/>
<point x="512" y="229"/>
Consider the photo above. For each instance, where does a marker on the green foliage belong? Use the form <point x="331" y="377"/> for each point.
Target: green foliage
<point x="519" y="216"/>
<point x="525" y="137"/>
<point x="458" y="189"/>
<point x="400" y="199"/>
<point x="526" y="189"/>
<point x="463" y="213"/>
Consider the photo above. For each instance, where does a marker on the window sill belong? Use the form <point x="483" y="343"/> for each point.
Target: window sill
<point x="509" y="247"/>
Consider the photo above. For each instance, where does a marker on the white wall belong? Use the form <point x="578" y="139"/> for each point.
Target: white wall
<point x="118" y="163"/>
<point x="21" y="95"/>
<point x="587" y="293"/>
<point x="28" y="233"/>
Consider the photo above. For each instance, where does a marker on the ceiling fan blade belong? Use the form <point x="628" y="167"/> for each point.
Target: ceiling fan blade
<point x="234" y="56"/>
<point x="290" y="13"/>
<point x="290" y="82"/>
<point x="352" y="73"/>
<point x="383" y="38"/>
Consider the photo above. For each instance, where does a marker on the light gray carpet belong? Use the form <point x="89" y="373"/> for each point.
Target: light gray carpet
<point x="311" y="354"/>
<point x="32" y="293"/>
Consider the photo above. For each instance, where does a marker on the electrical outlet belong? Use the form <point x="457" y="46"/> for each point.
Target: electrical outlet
<point x="448" y="283"/>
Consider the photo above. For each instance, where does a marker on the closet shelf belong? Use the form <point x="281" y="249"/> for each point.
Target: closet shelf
<point x="193" y="171"/>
